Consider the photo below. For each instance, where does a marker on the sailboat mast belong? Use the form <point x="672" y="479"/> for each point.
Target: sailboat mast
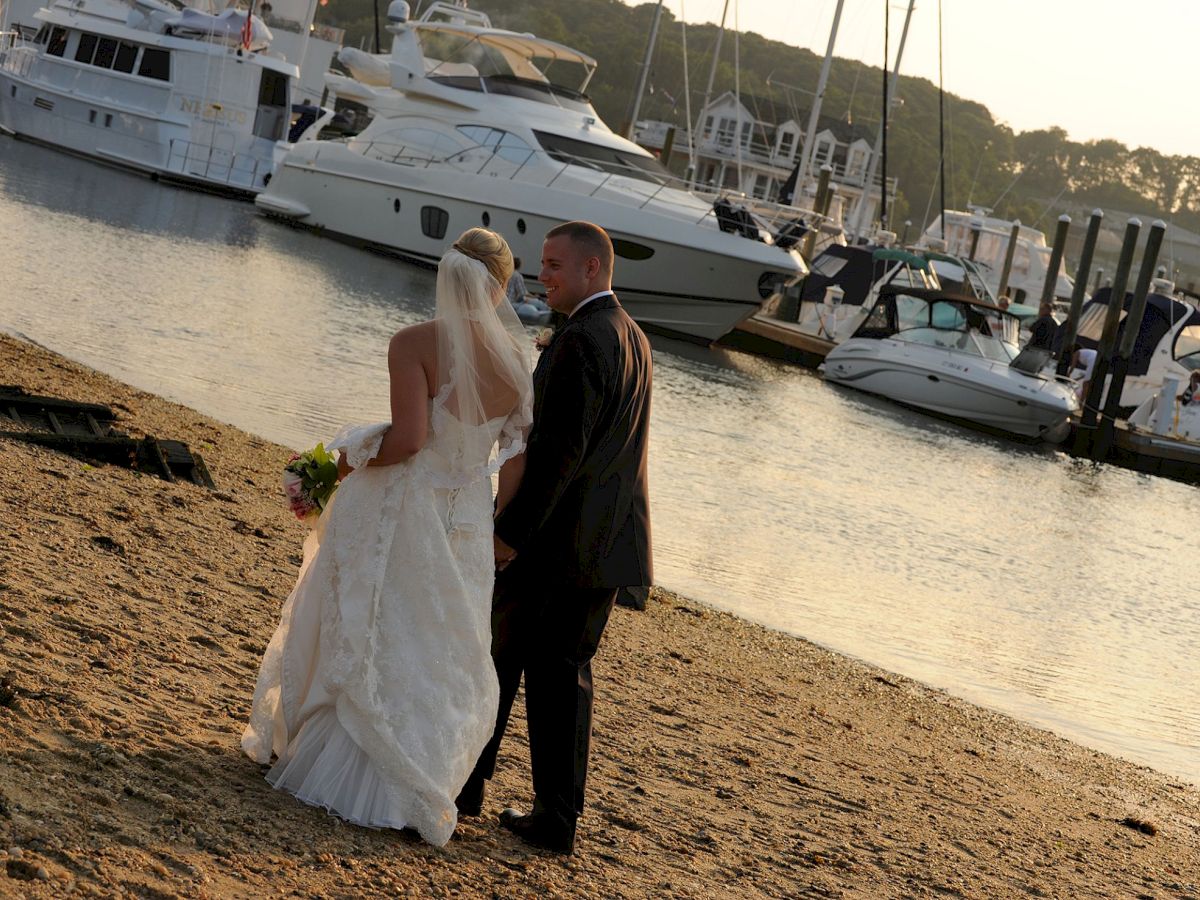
<point x="883" y="119"/>
<point x="941" y="127"/>
<point x="861" y="210"/>
<point x="645" y="72"/>
<point x="712" y="74"/>
<point x="810" y="140"/>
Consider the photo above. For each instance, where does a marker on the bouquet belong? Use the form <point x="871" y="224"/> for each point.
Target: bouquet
<point x="309" y="480"/>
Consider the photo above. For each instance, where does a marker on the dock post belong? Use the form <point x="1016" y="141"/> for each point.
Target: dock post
<point x="820" y="207"/>
<point x="1002" y="291"/>
<point x="1080" y="289"/>
<point x="1056" y="256"/>
<point x="976" y="230"/>
<point x="1133" y="324"/>
<point x="1085" y="434"/>
<point x="1099" y="279"/>
<point x="668" y="145"/>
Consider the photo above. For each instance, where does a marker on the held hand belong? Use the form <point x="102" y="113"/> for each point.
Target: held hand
<point x="344" y="468"/>
<point x="504" y="553"/>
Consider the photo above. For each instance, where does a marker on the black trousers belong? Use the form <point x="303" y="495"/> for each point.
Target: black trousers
<point x="550" y="634"/>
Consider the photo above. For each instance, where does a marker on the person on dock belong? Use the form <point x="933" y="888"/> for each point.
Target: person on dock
<point x="1043" y="329"/>
<point x="1083" y="361"/>
<point x="1191" y="393"/>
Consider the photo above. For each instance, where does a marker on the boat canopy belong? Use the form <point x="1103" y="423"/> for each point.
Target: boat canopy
<point x="1162" y="315"/>
<point x="912" y="259"/>
<point x="941" y="319"/>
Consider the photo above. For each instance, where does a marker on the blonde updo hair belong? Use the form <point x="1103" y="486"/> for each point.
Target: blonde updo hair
<point x="490" y="249"/>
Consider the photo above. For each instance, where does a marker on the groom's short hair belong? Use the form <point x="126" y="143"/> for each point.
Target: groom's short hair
<point x="592" y="238"/>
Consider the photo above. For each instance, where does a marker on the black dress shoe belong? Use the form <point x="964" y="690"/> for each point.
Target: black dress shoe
<point x="470" y="799"/>
<point x="540" y="831"/>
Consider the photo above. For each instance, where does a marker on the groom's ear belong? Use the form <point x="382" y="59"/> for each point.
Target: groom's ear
<point x="592" y="267"/>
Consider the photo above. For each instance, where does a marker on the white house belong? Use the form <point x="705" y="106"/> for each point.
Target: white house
<point x="740" y="151"/>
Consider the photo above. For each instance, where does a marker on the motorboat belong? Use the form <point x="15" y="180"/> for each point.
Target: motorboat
<point x="480" y="126"/>
<point x="172" y="91"/>
<point x="1167" y="343"/>
<point x="984" y="239"/>
<point x="1162" y="435"/>
<point x="808" y="316"/>
<point x="955" y="356"/>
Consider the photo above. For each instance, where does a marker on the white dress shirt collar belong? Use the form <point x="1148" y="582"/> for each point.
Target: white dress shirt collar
<point x="586" y="300"/>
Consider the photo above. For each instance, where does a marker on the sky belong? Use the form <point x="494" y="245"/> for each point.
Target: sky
<point x="1097" y="68"/>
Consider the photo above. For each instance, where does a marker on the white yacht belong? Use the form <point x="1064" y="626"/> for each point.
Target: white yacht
<point x="473" y="125"/>
<point x="956" y="357"/>
<point x="168" y="90"/>
<point x="990" y="237"/>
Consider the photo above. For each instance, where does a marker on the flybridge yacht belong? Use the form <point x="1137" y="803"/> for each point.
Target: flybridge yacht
<point x="955" y="356"/>
<point x="171" y="91"/>
<point x="473" y="125"/>
<point x="984" y="240"/>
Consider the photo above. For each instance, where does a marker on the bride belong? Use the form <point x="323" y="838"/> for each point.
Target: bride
<point x="377" y="691"/>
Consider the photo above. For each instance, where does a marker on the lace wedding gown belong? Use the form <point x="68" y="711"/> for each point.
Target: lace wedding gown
<point x="377" y="691"/>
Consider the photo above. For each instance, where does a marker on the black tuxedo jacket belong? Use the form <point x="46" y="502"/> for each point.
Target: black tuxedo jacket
<point x="581" y="515"/>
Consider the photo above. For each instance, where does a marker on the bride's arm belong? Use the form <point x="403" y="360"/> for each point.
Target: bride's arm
<point x="510" y="479"/>
<point x="410" y="398"/>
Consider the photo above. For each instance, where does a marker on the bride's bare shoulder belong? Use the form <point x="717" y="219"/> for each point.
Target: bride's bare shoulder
<point x="419" y="338"/>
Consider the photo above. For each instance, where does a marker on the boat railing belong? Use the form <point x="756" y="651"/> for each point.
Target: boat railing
<point x="17" y="55"/>
<point x="511" y="162"/>
<point x="216" y="163"/>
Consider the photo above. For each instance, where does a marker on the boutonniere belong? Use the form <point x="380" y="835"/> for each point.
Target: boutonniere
<point x="542" y="340"/>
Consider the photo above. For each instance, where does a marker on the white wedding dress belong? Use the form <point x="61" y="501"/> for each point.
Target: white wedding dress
<point x="377" y="691"/>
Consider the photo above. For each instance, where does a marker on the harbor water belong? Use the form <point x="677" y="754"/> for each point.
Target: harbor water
<point x="1057" y="591"/>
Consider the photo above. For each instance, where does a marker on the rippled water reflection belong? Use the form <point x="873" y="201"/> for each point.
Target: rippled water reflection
<point x="1013" y="576"/>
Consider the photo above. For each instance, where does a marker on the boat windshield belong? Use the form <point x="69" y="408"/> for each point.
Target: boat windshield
<point x="1187" y="347"/>
<point x="604" y="159"/>
<point x="953" y="325"/>
<point x="516" y="65"/>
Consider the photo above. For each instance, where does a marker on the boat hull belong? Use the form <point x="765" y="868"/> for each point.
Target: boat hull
<point x="965" y="388"/>
<point x="668" y="278"/>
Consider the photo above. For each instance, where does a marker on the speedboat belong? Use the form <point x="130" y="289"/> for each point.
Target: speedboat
<point x="480" y="126"/>
<point x="1167" y="343"/>
<point x="807" y="317"/>
<point x="167" y="90"/>
<point x="954" y="356"/>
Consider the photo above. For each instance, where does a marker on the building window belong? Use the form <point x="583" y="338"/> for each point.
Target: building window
<point x="787" y="144"/>
<point x="824" y="153"/>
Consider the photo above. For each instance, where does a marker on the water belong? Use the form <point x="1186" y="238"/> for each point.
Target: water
<point x="1015" y="577"/>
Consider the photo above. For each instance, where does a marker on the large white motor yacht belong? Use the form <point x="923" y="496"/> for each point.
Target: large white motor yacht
<point x="480" y="126"/>
<point x="168" y="90"/>
<point x="953" y="356"/>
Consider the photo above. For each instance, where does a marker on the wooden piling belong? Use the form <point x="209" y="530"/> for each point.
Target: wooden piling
<point x="1085" y="434"/>
<point x="668" y="146"/>
<point x="1002" y="291"/>
<point x="1080" y="289"/>
<point x="1056" y="254"/>
<point x="821" y="208"/>
<point x="1133" y="324"/>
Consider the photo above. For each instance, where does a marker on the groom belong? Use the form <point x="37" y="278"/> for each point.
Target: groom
<point x="577" y="529"/>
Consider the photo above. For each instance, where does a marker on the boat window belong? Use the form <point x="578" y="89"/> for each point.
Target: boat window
<point x="911" y="312"/>
<point x="1091" y="322"/>
<point x="419" y="143"/>
<point x="1187" y="347"/>
<point x="106" y="53"/>
<point x="947" y="315"/>
<point x="828" y="265"/>
<point x="57" y="45"/>
<point x="126" y="57"/>
<point x="503" y="144"/>
<point x="603" y="159"/>
<point x="434" y="221"/>
<point x="43" y="33"/>
<point x="270" y="119"/>
<point x="86" y="47"/>
<point x="156" y="63"/>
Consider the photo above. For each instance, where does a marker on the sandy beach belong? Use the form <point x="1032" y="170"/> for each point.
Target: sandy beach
<point x="728" y="760"/>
